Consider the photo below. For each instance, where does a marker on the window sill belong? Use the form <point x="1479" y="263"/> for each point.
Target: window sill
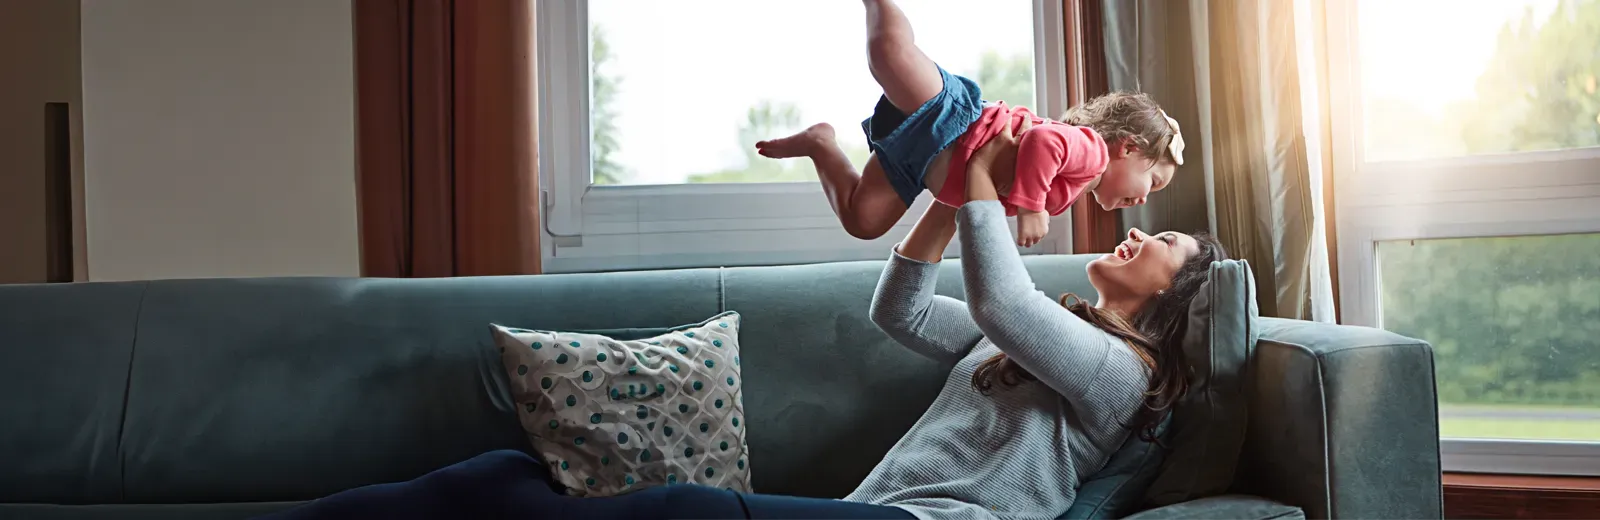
<point x="1482" y="495"/>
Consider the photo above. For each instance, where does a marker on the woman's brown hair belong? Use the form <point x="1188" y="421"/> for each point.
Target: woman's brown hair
<point x="1155" y="335"/>
<point x="1130" y="116"/>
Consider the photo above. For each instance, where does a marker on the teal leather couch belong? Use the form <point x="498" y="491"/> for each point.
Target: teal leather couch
<point x="233" y="397"/>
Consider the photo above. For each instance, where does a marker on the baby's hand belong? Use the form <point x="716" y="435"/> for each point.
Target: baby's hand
<point x="1031" y="226"/>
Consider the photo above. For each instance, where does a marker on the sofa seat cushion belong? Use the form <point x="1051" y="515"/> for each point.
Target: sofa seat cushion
<point x="1224" y="507"/>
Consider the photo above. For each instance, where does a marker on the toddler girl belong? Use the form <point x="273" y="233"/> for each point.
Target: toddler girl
<point x="1120" y="146"/>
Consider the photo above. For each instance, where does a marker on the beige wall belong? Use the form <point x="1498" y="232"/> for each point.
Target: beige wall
<point x="219" y="138"/>
<point x="38" y="65"/>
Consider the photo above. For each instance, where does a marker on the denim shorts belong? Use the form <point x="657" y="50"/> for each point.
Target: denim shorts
<point x="906" y="144"/>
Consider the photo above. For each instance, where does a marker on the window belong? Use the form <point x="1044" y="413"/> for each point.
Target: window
<point x="660" y="105"/>
<point x="1515" y="324"/>
<point x="1467" y="170"/>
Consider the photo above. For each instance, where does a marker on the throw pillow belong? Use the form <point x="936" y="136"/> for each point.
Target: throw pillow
<point x="1208" y="425"/>
<point x="611" y="416"/>
<point x="1116" y="490"/>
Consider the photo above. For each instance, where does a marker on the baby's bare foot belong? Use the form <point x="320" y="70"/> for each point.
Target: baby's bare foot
<point x="803" y="144"/>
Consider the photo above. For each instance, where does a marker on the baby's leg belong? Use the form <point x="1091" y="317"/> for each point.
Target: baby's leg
<point x="867" y="204"/>
<point x="907" y="76"/>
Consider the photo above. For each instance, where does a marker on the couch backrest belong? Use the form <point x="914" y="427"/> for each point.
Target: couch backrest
<point x="238" y="390"/>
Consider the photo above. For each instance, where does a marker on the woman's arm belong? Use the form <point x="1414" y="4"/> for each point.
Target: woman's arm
<point x="1037" y="333"/>
<point x="905" y="306"/>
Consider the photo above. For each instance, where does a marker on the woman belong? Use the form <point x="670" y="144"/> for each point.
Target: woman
<point x="1040" y="395"/>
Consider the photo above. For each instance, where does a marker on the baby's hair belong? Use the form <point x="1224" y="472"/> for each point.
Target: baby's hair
<point x="1126" y="115"/>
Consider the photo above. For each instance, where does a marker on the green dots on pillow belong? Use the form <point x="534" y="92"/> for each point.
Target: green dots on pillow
<point x="724" y="445"/>
<point x="530" y="407"/>
<point x="589" y="482"/>
<point x="735" y="360"/>
<point x="622" y="437"/>
<point x="642" y="412"/>
<point x="705" y="427"/>
<point x="574" y="344"/>
<point x="522" y="370"/>
<point x="605" y="461"/>
<point x="587" y="377"/>
<point x="735" y="422"/>
<point x="722" y="324"/>
<point x="577" y="441"/>
<point x="600" y="357"/>
<point x="661" y="388"/>
<point x="615" y="394"/>
<point x="710" y="363"/>
<point x="564" y="465"/>
<point x="718" y="403"/>
<point x="689" y="334"/>
<point x="666" y="430"/>
<point x="536" y="345"/>
<point x="650" y="426"/>
<point x="673" y="368"/>
<point x="710" y="472"/>
<point x="741" y="463"/>
<point x="683" y="408"/>
<point x="546" y="383"/>
<point x="561" y="359"/>
<point x="697" y="386"/>
<point x="572" y="400"/>
<point x="595" y="418"/>
<point x="633" y="370"/>
<point x="554" y="424"/>
<point x="688" y="452"/>
<point x="717" y="343"/>
<point x="730" y="380"/>
<point x="644" y="456"/>
<point x="628" y="479"/>
<point x="672" y="478"/>
<point x="639" y="356"/>
<point x="683" y="350"/>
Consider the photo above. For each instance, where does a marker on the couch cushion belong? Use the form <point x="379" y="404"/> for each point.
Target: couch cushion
<point x="677" y="421"/>
<point x="812" y="353"/>
<point x="1118" y="488"/>
<point x="1232" y="507"/>
<point x="1208" y="425"/>
<point x="64" y="354"/>
<point x="292" y="389"/>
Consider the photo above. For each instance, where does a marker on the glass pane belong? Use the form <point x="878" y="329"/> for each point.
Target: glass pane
<point x="1515" y="325"/>
<point x="682" y="90"/>
<point x="1448" y="78"/>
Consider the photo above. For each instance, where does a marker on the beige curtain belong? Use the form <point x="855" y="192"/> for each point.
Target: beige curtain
<point x="1242" y="78"/>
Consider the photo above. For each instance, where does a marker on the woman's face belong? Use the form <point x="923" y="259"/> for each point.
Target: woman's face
<point x="1141" y="265"/>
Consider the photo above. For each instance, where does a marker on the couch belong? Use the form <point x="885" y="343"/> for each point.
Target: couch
<point x="226" y="398"/>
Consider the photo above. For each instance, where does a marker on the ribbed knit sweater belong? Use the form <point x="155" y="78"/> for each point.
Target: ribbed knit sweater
<point x="1021" y="451"/>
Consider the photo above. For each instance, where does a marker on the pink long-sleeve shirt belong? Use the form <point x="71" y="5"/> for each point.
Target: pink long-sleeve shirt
<point x="1055" y="160"/>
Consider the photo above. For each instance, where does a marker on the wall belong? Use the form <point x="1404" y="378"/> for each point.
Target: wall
<point x="219" y="138"/>
<point x="39" y="64"/>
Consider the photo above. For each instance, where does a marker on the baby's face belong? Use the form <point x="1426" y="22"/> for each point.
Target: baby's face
<point x="1130" y="177"/>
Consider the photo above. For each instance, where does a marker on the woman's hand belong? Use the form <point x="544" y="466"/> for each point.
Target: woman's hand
<point x="996" y="158"/>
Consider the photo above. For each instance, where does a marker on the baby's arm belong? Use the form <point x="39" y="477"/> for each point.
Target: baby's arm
<point x="1039" y="158"/>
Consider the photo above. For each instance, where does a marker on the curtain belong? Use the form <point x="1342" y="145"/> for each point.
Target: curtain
<point x="1094" y="230"/>
<point x="1244" y="79"/>
<point x="446" y="173"/>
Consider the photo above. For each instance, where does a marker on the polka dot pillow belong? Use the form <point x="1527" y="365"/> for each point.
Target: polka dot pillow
<point x="611" y="416"/>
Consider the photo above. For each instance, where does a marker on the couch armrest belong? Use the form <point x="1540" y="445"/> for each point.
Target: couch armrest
<point x="1229" y="507"/>
<point x="1343" y="422"/>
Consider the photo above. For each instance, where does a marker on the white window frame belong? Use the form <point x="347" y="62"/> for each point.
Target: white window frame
<point x="604" y="228"/>
<point x="1528" y="193"/>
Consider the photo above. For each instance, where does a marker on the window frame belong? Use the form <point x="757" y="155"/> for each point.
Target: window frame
<point x="604" y="228"/>
<point x="1510" y="194"/>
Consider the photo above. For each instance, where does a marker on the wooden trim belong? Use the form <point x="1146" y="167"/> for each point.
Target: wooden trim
<point x="1473" y="496"/>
